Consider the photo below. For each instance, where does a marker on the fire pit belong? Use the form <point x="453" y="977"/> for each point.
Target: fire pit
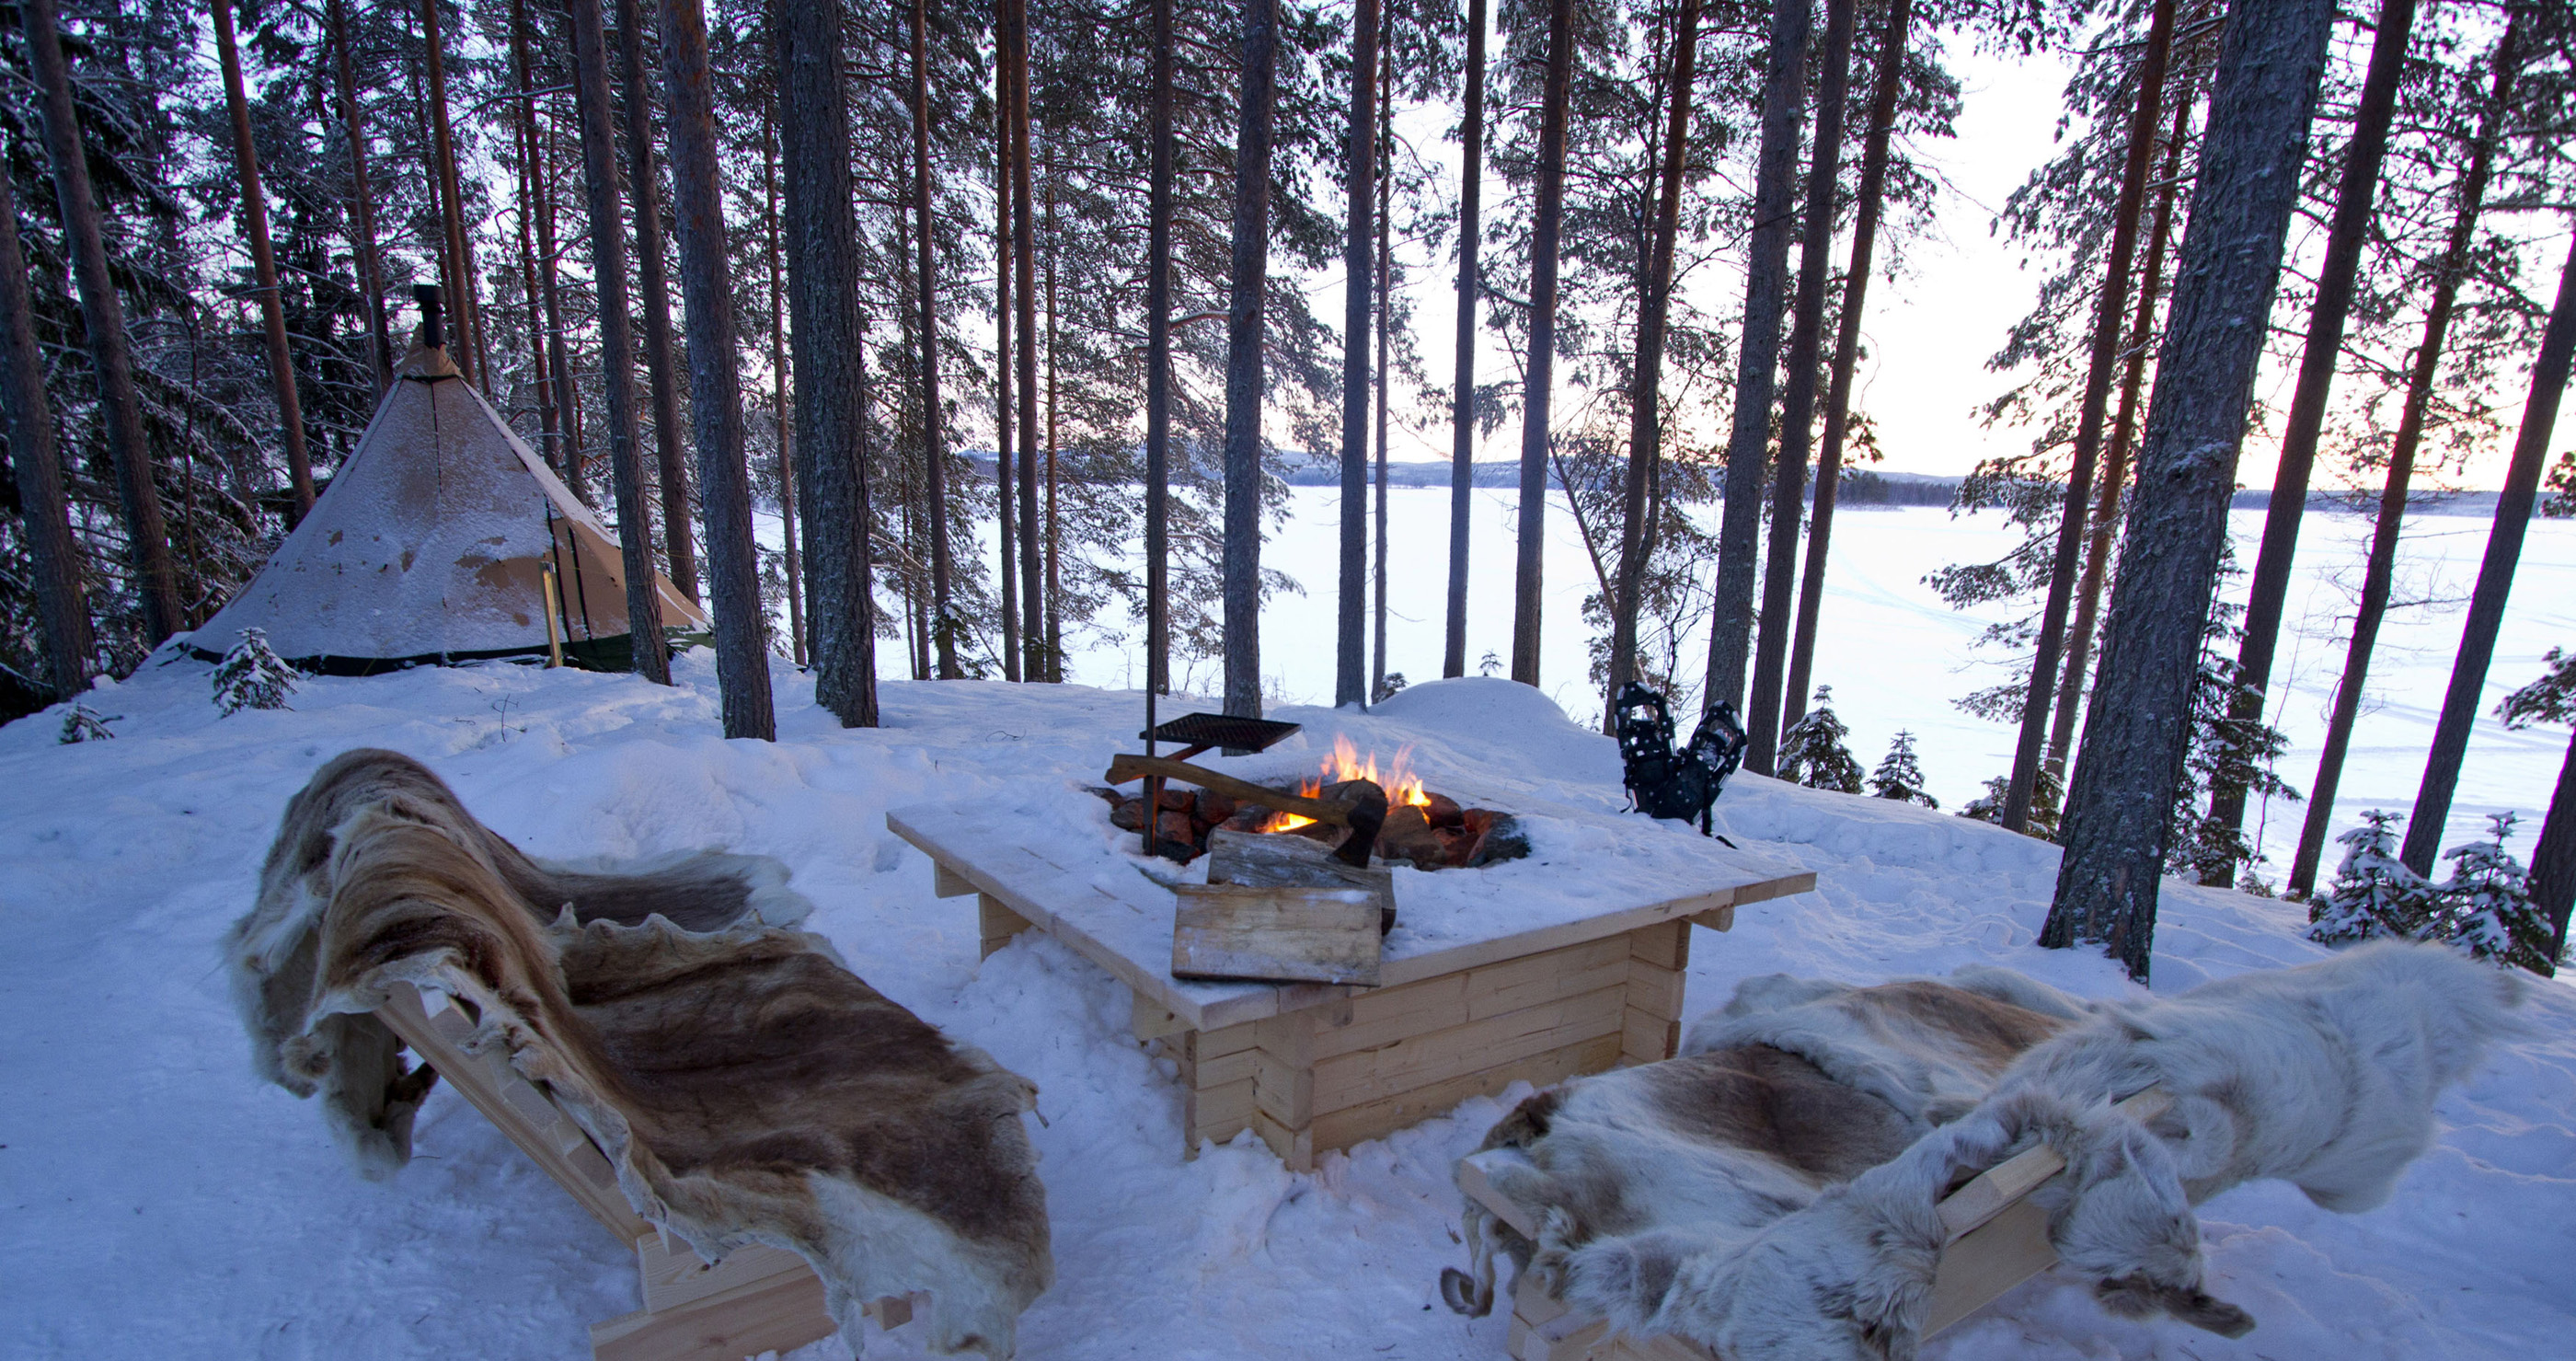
<point x="1423" y="829"/>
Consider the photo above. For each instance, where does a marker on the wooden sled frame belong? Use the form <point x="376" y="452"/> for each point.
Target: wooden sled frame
<point x="756" y="1299"/>
<point x="1997" y="1239"/>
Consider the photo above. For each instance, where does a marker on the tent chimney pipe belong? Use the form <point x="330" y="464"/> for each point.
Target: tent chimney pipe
<point x="432" y="335"/>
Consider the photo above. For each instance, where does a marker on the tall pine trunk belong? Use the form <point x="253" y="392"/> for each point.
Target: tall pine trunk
<point x="823" y="281"/>
<point x="1243" y="366"/>
<point x="2113" y="482"/>
<point x="2119" y="812"/>
<point x="2553" y="860"/>
<point x="1539" y="380"/>
<point x="778" y="384"/>
<point x="2495" y="577"/>
<point x="103" y="318"/>
<point x="362" y="198"/>
<point x="715" y="377"/>
<point x="466" y="345"/>
<point x="1158" y="360"/>
<point x="679" y="514"/>
<point x="1033" y="663"/>
<point x="2109" y="311"/>
<point x="1645" y="410"/>
<point x="934" y="441"/>
<point x="1359" y="247"/>
<point x="263" y="263"/>
<point x="1462" y="395"/>
<point x="561" y="395"/>
<point x="1890" y="79"/>
<point x="1385" y="318"/>
<point x="1054" y="442"/>
<point x="616" y="339"/>
<point x="44" y="514"/>
<point x="1004" y="485"/>
<point x="550" y="445"/>
<point x="2354" y="199"/>
<point x="1798" y="402"/>
<point x="2380" y="572"/>
<point x="1757" y="356"/>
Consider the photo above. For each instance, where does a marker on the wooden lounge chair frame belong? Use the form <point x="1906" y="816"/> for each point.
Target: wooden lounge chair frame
<point x="756" y="1299"/>
<point x="1998" y="1238"/>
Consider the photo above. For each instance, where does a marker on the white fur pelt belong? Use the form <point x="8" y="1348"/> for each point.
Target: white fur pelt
<point x="2323" y="1075"/>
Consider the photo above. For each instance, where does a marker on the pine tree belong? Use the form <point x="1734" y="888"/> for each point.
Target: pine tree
<point x="82" y="723"/>
<point x="2486" y="906"/>
<point x="1899" y="776"/>
<point x="2374" y="895"/>
<point x="2045" y="799"/>
<point x="252" y="676"/>
<point x="1812" y="751"/>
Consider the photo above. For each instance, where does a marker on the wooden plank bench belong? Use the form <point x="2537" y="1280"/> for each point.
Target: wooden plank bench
<point x="1998" y="1238"/>
<point x="1315" y="1067"/>
<point x="755" y="1299"/>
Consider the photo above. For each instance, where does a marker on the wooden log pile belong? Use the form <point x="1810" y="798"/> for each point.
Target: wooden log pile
<point x="1440" y="835"/>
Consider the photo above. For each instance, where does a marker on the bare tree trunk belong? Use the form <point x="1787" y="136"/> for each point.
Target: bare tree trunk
<point x="1798" y="403"/>
<point x="549" y="444"/>
<point x="1645" y="397"/>
<point x="778" y="380"/>
<point x="1538" y="383"/>
<point x="362" y="204"/>
<point x="468" y="343"/>
<point x="1054" y="442"/>
<point x="1243" y="361"/>
<point x="715" y="380"/>
<point x="1359" y="244"/>
<point x="1006" y="529"/>
<point x="103" y="318"/>
<point x="1033" y="663"/>
<point x="1462" y="396"/>
<point x="1385" y="313"/>
<point x="2354" y="199"/>
<point x="263" y="263"/>
<point x="1158" y="362"/>
<point x="1757" y="363"/>
<point x="1889" y="78"/>
<point x="2379" y="575"/>
<point x="652" y="280"/>
<point x="2553" y="860"/>
<point x="2114" y="480"/>
<point x="44" y="514"/>
<point x="823" y="281"/>
<point x="2495" y="577"/>
<point x="2118" y="812"/>
<point x="2109" y="312"/>
<point x="549" y="270"/>
<point x="616" y="340"/>
<point x="934" y="442"/>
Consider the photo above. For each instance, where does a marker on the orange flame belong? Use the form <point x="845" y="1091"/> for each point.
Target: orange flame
<point x="1402" y="786"/>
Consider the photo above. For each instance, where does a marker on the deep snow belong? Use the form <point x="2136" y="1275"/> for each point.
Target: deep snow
<point x="162" y="1203"/>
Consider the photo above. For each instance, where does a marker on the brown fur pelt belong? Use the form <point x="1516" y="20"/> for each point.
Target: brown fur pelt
<point x="746" y="1086"/>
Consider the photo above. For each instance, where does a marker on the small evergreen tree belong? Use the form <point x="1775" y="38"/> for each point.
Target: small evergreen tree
<point x="82" y="723"/>
<point x="252" y="676"/>
<point x="2046" y="794"/>
<point x="1899" y="776"/>
<point x="1812" y="751"/>
<point x="2374" y="894"/>
<point x="2486" y="909"/>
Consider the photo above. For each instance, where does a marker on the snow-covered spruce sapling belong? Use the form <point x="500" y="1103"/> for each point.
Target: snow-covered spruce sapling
<point x="2046" y="795"/>
<point x="252" y="676"/>
<point x="2374" y="895"/>
<point x="82" y="723"/>
<point x="1812" y="751"/>
<point x="2485" y="907"/>
<point x="1900" y="776"/>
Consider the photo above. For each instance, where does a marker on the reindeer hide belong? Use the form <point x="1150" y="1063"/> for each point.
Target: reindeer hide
<point x="746" y="1086"/>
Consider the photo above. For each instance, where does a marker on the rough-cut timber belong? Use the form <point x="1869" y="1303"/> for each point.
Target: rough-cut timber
<point x="2119" y="810"/>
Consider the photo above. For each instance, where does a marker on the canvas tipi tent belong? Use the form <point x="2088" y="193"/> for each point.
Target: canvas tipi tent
<point x="431" y="546"/>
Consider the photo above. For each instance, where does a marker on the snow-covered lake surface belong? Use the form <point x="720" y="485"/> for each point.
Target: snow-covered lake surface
<point x="161" y="1202"/>
<point x="1897" y="656"/>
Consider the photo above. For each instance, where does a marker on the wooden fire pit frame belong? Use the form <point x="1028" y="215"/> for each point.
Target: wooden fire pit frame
<point x="1314" y="1067"/>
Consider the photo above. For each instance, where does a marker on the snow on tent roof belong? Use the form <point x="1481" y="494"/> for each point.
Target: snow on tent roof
<point x="429" y="546"/>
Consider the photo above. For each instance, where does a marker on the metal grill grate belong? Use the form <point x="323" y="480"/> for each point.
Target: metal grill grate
<point x="1221" y="730"/>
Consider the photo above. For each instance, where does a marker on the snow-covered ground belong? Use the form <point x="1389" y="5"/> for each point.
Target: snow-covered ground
<point x="160" y="1202"/>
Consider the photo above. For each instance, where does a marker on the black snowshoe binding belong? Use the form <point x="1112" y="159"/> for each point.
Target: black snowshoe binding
<point x="1662" y="782"/>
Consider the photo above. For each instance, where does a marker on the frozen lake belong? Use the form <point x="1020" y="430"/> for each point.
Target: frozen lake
<point x="1898" y="657"/>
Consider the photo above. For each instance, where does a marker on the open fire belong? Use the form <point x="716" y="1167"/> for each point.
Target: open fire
<point x="1423" y="828"/>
